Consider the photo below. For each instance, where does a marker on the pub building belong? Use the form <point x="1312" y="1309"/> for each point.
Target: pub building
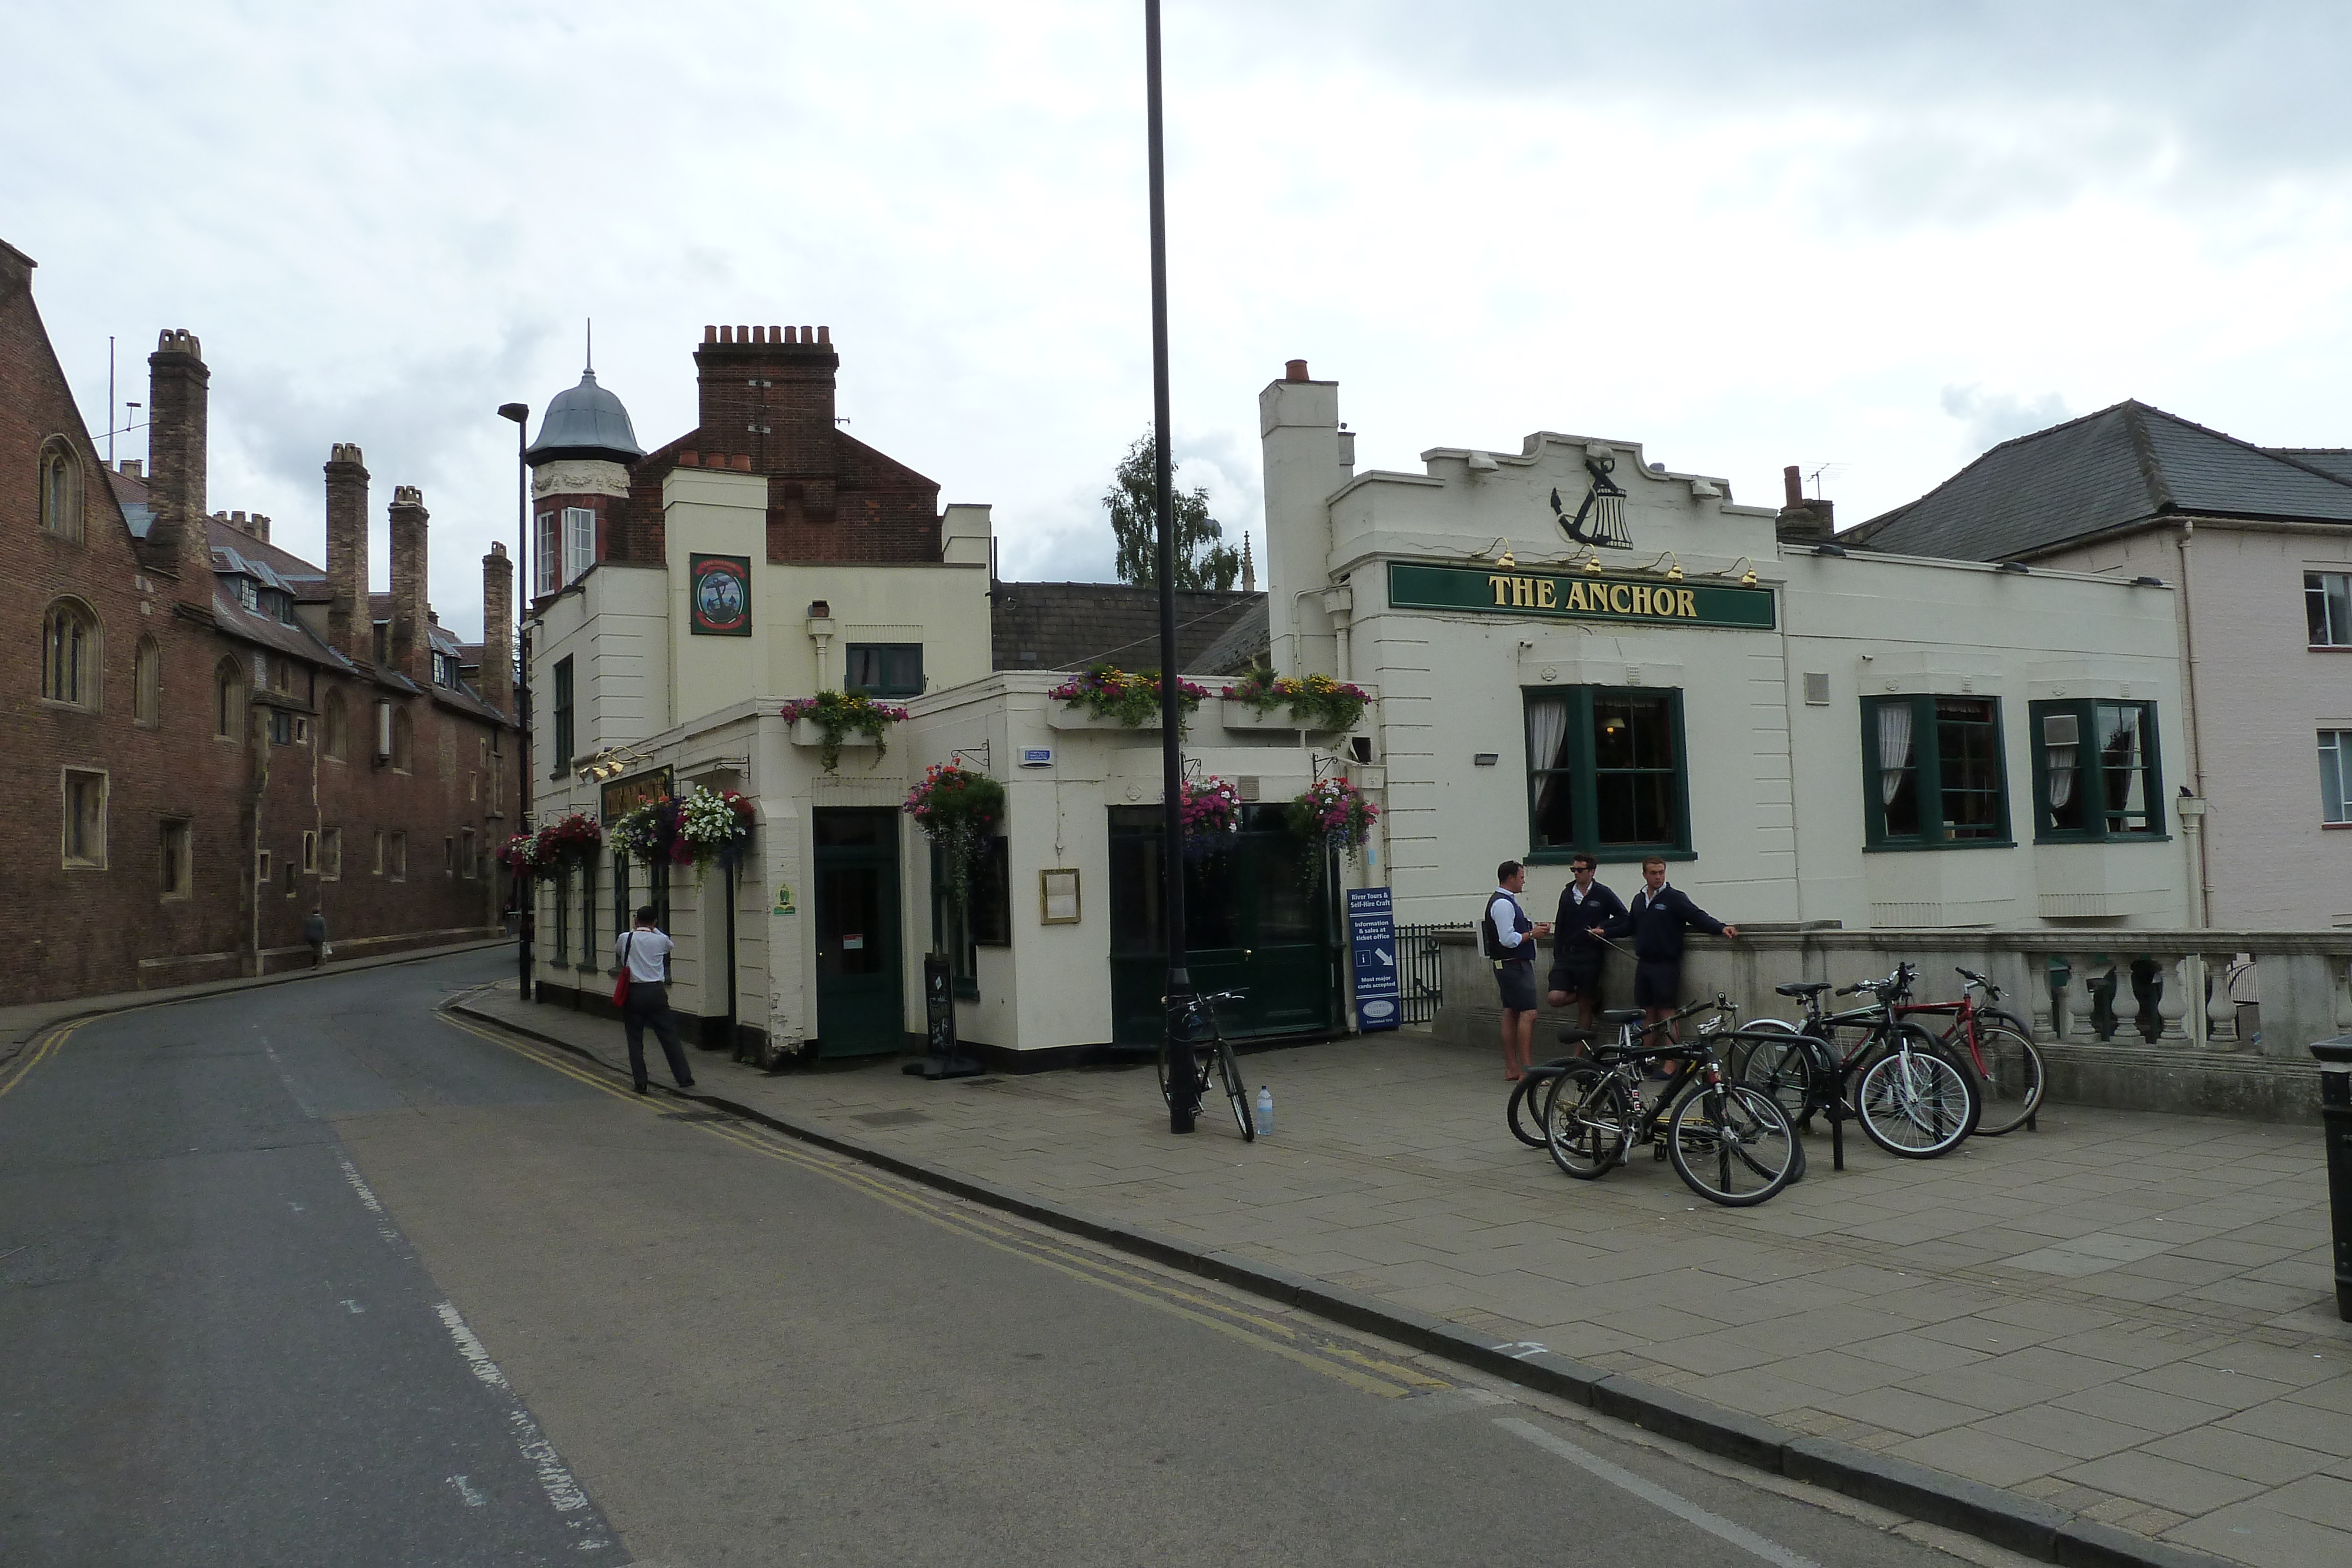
<point x="1565" y="649"/>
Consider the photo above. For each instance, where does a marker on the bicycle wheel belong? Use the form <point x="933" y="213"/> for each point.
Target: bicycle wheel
<point x="1585" y="1118"/>
<point x="1732" y="1144"/>
<point x="1783" y="1067"/>
<point x="1230" y="1069"/>
<point x="1914" y="1103"/>
<point x="2010" y="1073"/>
<point x="1198" y="1072"/>
<point x="1525" y="1111"/>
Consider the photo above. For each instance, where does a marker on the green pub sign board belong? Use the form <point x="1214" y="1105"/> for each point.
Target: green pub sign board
<point x="1578" y="596"/>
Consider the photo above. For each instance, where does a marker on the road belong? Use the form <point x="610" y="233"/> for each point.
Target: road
<point x="316" y="1274"/>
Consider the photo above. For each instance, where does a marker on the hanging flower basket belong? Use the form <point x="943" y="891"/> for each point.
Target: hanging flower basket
<point x="1314" y="702"/>
<point x="1106" y="690"/>
<point x="957" y="807"/>
<point x="1332" y="814"/>
<point x="713" y="825"/>
<point x="1211" y="813"/>
<point x="648" y="832"/>
<point x="564" y="843"/>
<point x="519" y="855"/>
<point x="839" y="715"/>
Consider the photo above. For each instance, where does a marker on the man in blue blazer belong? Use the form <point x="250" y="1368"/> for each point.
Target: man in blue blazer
<point x="1657" y="918"/>
<point x="1588" y="911"/>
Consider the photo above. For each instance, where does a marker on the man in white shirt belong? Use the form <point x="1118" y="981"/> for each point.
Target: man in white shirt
<point x="644" y="951"/>
<point x="1508" y="938"/>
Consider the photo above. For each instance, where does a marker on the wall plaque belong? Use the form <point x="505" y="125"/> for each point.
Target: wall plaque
<point x="718" y="595"/>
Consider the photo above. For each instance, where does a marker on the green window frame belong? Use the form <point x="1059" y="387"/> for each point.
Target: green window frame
<point x="562" y="918"/>
<point x="2097" y="772"/>
<point x="623" y="915"/>
<point x="1953" y="741"/>
<point x="1608" y="773"/>
<point x="883" y="669"/>
<point x="562" y="711"/>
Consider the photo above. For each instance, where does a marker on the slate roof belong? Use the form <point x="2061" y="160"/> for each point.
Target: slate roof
<point x="1070" y="625"/>
<point x="2336" y="460"/>
<point x="1244" y="642"/>
<point x="2122" y="465"/>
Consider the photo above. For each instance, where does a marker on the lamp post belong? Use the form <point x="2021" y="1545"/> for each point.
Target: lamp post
<point x="525" y="907"/>
<point x="1181" y="1086"/>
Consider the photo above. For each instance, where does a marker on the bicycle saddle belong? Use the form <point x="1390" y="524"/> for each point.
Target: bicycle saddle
<point x="1575" y="1036"/>
<point x="1616" y="1015"/>
<point x="1802" y="987"/>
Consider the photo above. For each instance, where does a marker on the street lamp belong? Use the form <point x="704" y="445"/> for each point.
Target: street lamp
<point x="1176" y="1051"/>
<point x="526" y="908"/>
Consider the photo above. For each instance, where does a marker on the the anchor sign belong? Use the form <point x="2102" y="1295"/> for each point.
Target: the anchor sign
<point x="1604" y="506"/>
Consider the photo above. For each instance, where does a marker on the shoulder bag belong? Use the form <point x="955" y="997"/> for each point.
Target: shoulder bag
<point x="621" y="985"/>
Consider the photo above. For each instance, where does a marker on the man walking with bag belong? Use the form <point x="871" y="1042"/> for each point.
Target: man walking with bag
<point x="1508" y="938"/>
<point x="643" y="992"/>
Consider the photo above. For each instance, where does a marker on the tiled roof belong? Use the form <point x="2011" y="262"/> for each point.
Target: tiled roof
<point x="1249" y="637"/>
<point x="1070" y="625"/>
<point x="2336" y="460"/>
<point x="2122" y="464"/>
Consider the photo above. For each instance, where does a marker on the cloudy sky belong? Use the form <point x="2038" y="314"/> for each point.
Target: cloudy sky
<point x="1863" y="239"/>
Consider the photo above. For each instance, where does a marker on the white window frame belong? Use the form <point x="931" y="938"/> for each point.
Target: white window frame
<point x="544" y="566"/>
<point x="579" y="541"/>
<point x="2331" y="606"/>
<point x="2335" y="778"/>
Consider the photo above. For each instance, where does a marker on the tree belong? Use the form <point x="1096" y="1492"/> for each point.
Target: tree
<point x="1202" y="561"/>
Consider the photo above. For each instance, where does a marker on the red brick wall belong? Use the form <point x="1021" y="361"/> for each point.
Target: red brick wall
<point x="82" y="931"/>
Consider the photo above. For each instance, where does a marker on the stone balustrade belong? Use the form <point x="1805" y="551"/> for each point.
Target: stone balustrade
<point x="2217" y="1022"/>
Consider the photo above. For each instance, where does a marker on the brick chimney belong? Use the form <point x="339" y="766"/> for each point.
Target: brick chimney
<point x="1802" y="522"/>
<point x="785" y="427"/>
<point x="178" y="395"/>
<point x="498" y="630"/>
<point x="411" y="644"/>
<point x="351" y="629"/>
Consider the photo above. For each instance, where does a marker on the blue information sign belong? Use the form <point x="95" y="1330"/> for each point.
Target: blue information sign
<point x="1372" y="933"/>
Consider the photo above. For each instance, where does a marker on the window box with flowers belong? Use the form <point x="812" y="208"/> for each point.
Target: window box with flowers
<point x="1107" y="697"/>
<point x="831" y="720"/>
<point x="1316" y="704"/>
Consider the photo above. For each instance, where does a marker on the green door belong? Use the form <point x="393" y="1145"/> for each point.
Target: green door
<point x="1256" y="921"/>
<point x="859" y="1009"/>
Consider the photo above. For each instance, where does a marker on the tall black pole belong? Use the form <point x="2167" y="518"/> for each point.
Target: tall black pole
<point x="1181" y="1083"/>
<point x="526" y="901"/>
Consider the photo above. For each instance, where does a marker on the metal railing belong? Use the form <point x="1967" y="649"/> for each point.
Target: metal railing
<point x="1421" y="958"/>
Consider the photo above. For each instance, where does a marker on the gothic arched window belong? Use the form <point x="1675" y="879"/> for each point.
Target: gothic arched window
<point x="69" y="664"/>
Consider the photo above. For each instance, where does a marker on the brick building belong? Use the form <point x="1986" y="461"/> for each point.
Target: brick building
<point x="206" y="737"/>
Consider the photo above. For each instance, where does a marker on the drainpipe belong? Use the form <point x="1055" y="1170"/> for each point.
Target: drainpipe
<point x="2192" y="821"/>
<point x="1339" y="603"/>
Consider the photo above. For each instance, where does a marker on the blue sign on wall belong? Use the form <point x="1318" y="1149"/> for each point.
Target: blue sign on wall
<point x="1372" y="933"/>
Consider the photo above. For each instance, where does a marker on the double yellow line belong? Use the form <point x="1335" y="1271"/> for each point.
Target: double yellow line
<point x="12" y="1075"/>
<point x="1358" y="1365"/>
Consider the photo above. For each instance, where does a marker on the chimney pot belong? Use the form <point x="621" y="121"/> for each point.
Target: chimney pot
<point x="775" y="334"/>
<point x="1294" y="371"/>
<point x="824" y="336"/>
<point x="710" y="334"/>
<point x="743" y="462"/>
<point x="690" y="460"/>
<point x="1793" y="485"/>
<point x="742" y="334"/>
<point x="791" y="334"/>
<point x="132" y="467"/>
<point x="808" y="334"/>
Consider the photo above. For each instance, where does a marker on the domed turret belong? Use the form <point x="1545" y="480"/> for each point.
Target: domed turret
<point x="585" y="421"/>
<point x="578" y="483"/>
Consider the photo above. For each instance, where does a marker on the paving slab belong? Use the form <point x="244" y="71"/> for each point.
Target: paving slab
<point x="2166" y="1376"/>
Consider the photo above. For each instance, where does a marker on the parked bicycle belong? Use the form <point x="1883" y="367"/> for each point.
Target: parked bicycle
<point x="1730" y="1143"/>
<point x="1524" y="1111"/>
<point x="1999" y="1045"/>
<point x="1197" y="1031"/>
<point x="1913" y="1101"/>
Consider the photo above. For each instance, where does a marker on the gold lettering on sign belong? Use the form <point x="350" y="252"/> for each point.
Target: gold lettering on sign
<point x="1685" y="602"/>
<point x="1547" y="594"/>
<point x="1523" y="593"/>
<point x="1640" y="600"/>
<point x="1620" y="599"/>
<point x="1576" y="596"/>
<point x="1502" y="587"/>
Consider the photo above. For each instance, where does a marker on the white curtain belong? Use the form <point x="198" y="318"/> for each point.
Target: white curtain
<point x="1547" y="725"/>
<point x="1894" y="749"/>
<point x="2061" y="776"/>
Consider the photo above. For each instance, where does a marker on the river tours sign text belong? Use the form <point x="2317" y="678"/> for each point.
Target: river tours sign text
<point x="1578" y="596"/>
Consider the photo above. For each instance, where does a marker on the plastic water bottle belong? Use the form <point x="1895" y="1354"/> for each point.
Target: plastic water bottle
<point x="1264" y="1112"/>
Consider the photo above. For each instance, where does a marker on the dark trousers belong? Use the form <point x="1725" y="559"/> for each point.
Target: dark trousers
<point x="649" y="1004"/>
